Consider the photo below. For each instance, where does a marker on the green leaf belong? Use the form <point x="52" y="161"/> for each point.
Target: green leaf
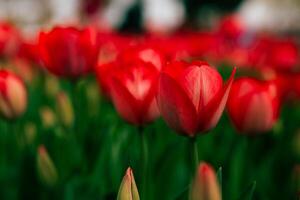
<point x="219" y="176"/>
<point x="248" y="193"/>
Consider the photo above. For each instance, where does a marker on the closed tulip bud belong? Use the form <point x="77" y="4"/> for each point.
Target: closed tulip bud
<point x="253" y="105"/>
<point x="45" y="167"/>
<point x="48" y="117"/>
<point x="65" y="109"/>
<point x="205" y="185"/>
<point x="128" y="189"/>
<point x="52" y="86"/>
<point x="30" y="132"/>
<point x="192" y="97"/>
<point x="13" y="95"/>
<point x="93" y="98"/>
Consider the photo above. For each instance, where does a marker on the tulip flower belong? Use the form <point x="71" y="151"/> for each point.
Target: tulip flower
<point x="192" y="97"/>
<point x="46" y="168"/>
<point x="253" y="105"/>
<point x="143" y="53"/>
<point x="68" y="52"/>
<point x="9" y="39"/>
<point x="205" y="185"/>
<point x="13" y="95"/>
<point x="132" y="84"/>
<point x="128" y="189"/>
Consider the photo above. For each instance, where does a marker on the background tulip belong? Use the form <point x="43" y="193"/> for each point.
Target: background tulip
<point x="9" y="39"/>
<point x="128" y="189"/>
<point x="13" y="95"/>
<point x="253" y="105"/>
<point x="46" y="168"/>
<point x="133" y="86"/>
<point x="205" y="185"/>
<point x="68" y="52"/>
<point x="192" y="97"/>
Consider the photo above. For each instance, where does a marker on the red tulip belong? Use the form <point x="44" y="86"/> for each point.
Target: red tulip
<point x="192" y="97"/>
<point x="69" y="52"/>
<point x="127" y="57"/>
<point x="231" y="27"/>
<point x="13" y="95"/>
<point x="9" y="39"/>
<point x="253" y="105"/>
<point x="132" y="83"/>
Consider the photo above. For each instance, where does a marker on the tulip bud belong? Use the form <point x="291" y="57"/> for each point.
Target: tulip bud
<point x="253" y="105"/>
<point x="65" y="109"/>
<point x="128" y="189"/>
<point x="205" y="185"/>
<point x="30" y="132"/>
<point x="13" y="95"/>
<point x="48" y="117"/>
<point x="51" y="86"/>
<point x="93" y="98"/>
<point x="45" y="167"/>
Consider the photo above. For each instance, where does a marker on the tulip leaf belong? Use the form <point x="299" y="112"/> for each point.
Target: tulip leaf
<point x="183" y="193"/>
<point x="248" y="193"/>
<point x="219" y="176"/>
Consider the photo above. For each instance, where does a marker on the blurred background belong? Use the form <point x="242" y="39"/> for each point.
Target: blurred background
<point x="155" y="15"/>
<point x="91" y="163"/>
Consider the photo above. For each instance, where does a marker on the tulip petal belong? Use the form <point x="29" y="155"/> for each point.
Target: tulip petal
<point x="254" y="122"/>
<point x="201" y="83"/>
<point x="124" y="102"/>
<point x="175" y="106"/>
<point x="216" y="107"/>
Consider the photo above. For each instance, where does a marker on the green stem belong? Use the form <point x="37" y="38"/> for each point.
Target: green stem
<point x="144" y="159"/>
<point x="194" y="151"/>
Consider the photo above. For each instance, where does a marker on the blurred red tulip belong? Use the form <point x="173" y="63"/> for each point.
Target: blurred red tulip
<point x="127" y="57"/>
<point x="253" y="105"/>
<point x="13" y="95"/>
<point x="192" y="97"/>
<point x="283" y="55"/>
<point x="205" y="185"/>
<point x="69" y="52"/>
<point x="9" y="39"/>
<point x="132" y="84"/>
<point x="231" y="27"/>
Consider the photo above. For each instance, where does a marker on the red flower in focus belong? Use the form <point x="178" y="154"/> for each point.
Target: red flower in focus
<point x="132" y="83"/>
<point x="192" y="97"/>
<point x="13" y="95"/>
<point x="9" y="39"/>
<point x="253" y="105"/>
<point x="69" y="52"/>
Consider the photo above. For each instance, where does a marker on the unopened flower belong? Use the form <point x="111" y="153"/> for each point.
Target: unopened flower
<point x="65" y="109"/>
<point x="205" y="185"/>
<point x="46" y="168"/>
<point x="13" y="95"/>
<point x="128" y="189"/>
